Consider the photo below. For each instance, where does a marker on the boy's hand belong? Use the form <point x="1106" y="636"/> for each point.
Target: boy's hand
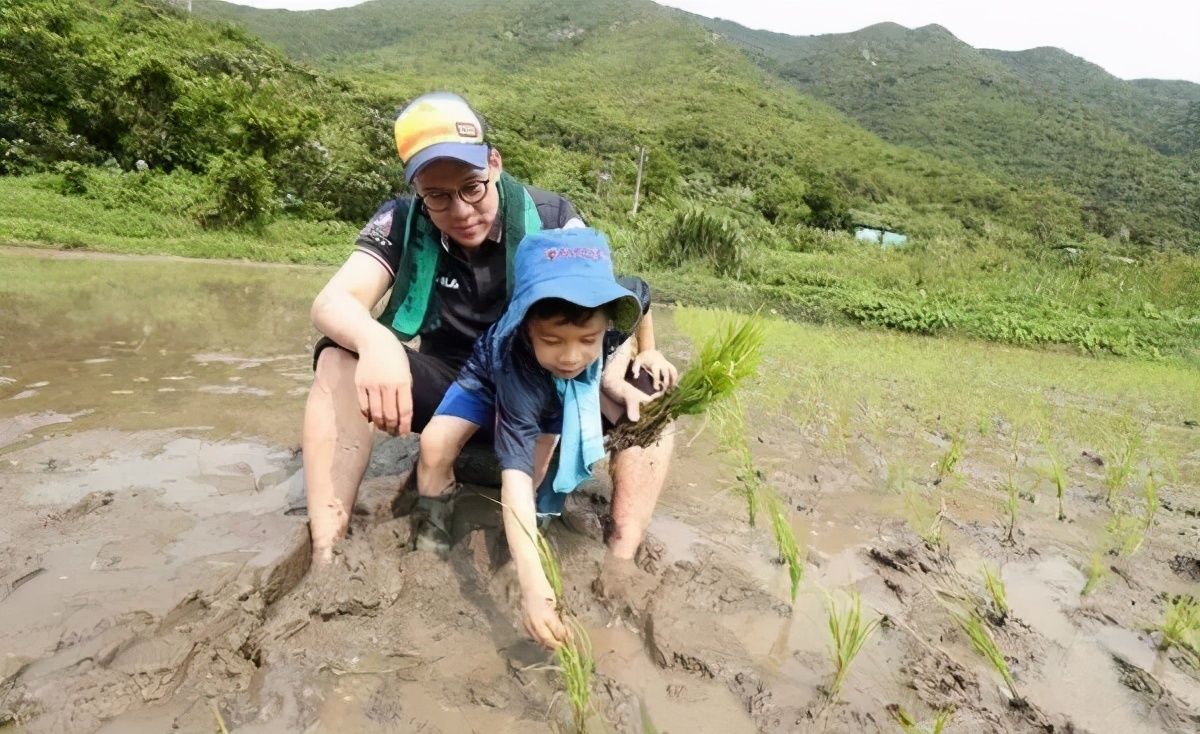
<point x="633" y="399"/>
<point x="541" y="619"/>
<point x="661" y="371"/>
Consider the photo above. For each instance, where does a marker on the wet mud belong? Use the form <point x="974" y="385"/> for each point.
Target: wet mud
<point x="154" y="562"/>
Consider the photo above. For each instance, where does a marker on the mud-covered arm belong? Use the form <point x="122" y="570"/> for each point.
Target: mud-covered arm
<point x="540" y="605"/>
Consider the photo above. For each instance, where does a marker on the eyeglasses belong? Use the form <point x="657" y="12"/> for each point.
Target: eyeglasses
<point x="472" y="192"/>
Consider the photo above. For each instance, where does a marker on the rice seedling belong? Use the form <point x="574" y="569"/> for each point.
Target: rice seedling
<point x="950" y="459"/>
<point x="1150" y="493"/>
<point x="1012" y="504"/>
<point x="841" y="415"/>
<point x="576" y="660"/>
<point x="726" y="359"/>
<point x="1181" y="625"/>
<point x="1120" y="460"/>
<point x="983" y="643"/>
<point x="924" y="517"/>
<point x="849" y="633"/>
<point x="996" y="590"/>
<point x="1127" y="532"/>
<point x="1058" y="476"/>
<point x="909" y="725"/>
<point x="751" y="481"/>
<point x="220" y="720"/>
<point x="1097" y="572"/>
<point x="785" y="540"/>
<point x="731" y="424"/>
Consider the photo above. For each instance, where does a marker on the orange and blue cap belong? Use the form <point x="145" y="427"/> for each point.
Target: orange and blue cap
<point x="439" y="125"/>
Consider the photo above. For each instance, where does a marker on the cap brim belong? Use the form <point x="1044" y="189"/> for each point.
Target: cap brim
<point x="474" y="155"/>
<point x="589" y="293"/>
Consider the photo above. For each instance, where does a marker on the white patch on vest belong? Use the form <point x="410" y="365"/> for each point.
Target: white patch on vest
<point x="383" y="222"/>
<point x="446" y="281"/>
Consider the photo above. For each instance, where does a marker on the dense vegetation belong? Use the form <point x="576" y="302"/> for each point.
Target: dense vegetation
<point x="1130" y="150"/>
<point x="749" y="191"/>
<point x="135" y="84"/>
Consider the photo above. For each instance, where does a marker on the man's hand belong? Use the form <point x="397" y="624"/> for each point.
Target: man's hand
<point x="661" y="371"/>
<point x="541" y="619"/>
<point x="384" y="385"/>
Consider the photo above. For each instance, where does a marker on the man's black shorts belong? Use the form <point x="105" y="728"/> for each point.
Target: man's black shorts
<point x="431" y="375"/>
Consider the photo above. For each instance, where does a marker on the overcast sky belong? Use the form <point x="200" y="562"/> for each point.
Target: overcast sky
<point x="1131" y="38"/>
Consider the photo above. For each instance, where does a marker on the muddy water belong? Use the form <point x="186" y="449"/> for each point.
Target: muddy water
<point x="152" y="558"/>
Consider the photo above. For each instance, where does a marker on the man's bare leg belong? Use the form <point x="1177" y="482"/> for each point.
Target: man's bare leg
<point x="638" y="477"/>
<point x="337" y="446"/>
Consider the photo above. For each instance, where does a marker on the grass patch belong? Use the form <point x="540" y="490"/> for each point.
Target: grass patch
<point x="848" y="633"/>
<point x="156" y="222"/>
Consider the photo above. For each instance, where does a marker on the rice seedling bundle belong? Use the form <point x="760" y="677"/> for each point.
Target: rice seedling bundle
<point x="725" y="360"/>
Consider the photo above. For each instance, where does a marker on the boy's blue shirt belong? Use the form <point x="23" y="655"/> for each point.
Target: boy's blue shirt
<point x="523" y="392"/>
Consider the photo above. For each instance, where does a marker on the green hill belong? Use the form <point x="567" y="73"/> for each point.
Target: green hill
<point x="1130" y="150"/>
<point x="585" y="84"/>
<point x="749" y="191"/>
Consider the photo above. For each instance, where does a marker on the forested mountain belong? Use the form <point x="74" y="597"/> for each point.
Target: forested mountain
<point x="574" y="88"/>
<point x="1130" y="150"/>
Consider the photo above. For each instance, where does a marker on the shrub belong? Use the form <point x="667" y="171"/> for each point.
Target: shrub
<point x="242" y="191"/>
<point x="74" y="178"/>
<point x="703" y="235"/>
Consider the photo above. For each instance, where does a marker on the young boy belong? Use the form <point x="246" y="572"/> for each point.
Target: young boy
<point x="534" y="376"/>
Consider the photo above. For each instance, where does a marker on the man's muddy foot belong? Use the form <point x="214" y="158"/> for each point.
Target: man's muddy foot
<point x="624" y="589"/>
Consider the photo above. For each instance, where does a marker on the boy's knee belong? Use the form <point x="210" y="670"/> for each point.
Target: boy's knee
<point x="438" y="448"/>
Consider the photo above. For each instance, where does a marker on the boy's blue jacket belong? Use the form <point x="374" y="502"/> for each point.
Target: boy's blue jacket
<point x="575" y="265"/>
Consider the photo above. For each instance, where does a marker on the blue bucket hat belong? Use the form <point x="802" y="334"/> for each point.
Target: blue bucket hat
<point x="572" y="264"/>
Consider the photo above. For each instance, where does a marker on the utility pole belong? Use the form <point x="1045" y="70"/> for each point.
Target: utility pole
<point x="637" y="188"/>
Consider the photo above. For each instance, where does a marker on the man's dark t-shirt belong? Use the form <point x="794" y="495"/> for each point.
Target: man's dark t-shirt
<point x="471" y="287"/>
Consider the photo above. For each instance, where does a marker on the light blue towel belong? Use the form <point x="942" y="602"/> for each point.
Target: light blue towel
<point x="582" y="441"/>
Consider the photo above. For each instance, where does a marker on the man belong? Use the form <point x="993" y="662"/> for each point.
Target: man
<point x="445" y="253"/>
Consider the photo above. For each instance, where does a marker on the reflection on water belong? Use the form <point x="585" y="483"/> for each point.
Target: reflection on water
<point x="153" y="343"/>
